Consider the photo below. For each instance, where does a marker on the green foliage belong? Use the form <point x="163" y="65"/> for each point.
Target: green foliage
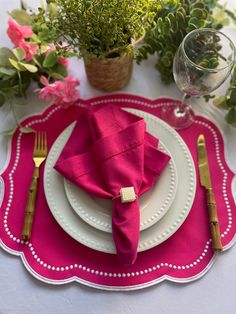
<point x="173" y="20"/>
<point x="17" y="71"/>
<point x="98" y="27"/>
<point x="21" y="17"/>
<point x="223" y="15"/>
<point x="50" y="60"/>
<point x="227" y="102"/>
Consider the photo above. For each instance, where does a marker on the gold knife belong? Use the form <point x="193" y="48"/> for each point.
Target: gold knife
<point x="205" y="180"/>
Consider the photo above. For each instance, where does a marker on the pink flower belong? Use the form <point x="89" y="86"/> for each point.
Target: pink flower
<point x="31" y="49"/>
<point x="64" y="93"/>
<point x="18" y="32"/>
<point x="63" y="61"/>
<point x="43" y="80"/>
<point x="52" y="48"/>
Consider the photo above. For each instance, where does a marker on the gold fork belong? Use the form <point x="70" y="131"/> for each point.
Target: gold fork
<point x="39" y="155"/>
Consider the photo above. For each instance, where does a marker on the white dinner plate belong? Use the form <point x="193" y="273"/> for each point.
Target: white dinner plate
<point x="153" y="204"/>
<point x="152" y="236"/>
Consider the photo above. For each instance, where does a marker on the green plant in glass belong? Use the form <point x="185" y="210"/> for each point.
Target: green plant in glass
<point x="171" y="22"/>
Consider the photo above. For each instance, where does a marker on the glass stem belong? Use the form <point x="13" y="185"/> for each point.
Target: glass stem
<point x="181" y="107"/>
<point x="184" y="98"/>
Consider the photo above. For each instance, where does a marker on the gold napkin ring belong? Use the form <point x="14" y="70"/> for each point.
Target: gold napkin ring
<point x="127" y="194"/>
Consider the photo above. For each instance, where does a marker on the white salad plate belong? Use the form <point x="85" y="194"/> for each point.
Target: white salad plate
<point x="153" y="204"/>
<point x="96" y="239"/>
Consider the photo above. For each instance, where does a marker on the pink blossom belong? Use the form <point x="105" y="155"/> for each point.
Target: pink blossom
<point x="65" y="46"/>
<point x="43" y="80"/>
<point x="18" y="32"/>
<point x="63" y="61"/>
<point x="51" y="48"/>
<point x="64" y="93"/>
<point x="31" y="49"/>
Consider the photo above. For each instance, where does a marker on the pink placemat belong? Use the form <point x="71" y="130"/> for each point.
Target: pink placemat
<point x="54" y="257"/>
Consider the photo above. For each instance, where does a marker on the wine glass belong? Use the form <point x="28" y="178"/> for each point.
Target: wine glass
<point x="202" y="63"/>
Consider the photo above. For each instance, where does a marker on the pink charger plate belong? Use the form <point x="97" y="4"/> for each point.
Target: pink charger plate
<point x="54" y="257"/>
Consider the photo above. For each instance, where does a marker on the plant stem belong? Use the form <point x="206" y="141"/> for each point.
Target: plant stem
<point x="20" y="84"/>
<point x="12" y="108"/>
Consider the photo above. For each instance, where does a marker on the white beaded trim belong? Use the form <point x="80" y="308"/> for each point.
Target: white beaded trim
<point x="97" y="272"/>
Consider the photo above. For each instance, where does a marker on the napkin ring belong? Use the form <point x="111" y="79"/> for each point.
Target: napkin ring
<point x="127" y="195"/>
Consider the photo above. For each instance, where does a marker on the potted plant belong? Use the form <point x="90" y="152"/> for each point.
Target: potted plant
<point x="104" y="33"/>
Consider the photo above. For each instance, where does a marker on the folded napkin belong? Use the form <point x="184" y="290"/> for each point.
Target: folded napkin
<point x="109" y="149"/>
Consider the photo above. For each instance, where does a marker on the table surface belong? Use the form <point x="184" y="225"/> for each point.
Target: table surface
<point x="213" y="293"/>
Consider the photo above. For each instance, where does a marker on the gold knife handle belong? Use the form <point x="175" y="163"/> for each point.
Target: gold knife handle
<point x="30" y="206"/>
<point x="214" y="222"/>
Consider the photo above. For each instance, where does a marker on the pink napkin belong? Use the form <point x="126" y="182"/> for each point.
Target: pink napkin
<point x="109" y="149"/>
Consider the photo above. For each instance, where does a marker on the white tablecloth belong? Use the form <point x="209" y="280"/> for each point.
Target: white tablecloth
<point x="213" y="293"/>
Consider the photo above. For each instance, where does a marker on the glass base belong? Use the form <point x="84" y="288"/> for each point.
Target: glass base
<point x="179" y="116"/>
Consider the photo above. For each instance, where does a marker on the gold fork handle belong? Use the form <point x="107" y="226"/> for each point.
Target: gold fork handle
<point x="214" y="221"/>
<point x="30" y="206"/>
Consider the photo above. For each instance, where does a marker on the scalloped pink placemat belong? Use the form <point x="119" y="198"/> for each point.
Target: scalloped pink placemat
<point x="54" y="257"/>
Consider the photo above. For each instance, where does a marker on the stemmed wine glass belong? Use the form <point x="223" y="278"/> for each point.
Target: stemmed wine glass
<point x="202" y="63"/>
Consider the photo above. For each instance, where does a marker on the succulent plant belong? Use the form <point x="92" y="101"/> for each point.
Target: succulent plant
<point x="172" y="21"/>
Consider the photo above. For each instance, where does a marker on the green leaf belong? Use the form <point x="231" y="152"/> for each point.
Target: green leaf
<point x="59" y="69"/>
<point x="193" y="21"/>
<point x="5" y="54"/>
<point x="24" y="129"/>
<point x="198" y="13"/>
<point x="5" y="84"/>
<point x="160" y="24"/>
<point x="17" y="65"/>
<point x="232" y="98"/>
<point x="8" y="132"/>
<point x="7" y="71"/>
<point x="180" y="18"/>
<point x="29" y="67"/>
<point x="37" y="62"/>
<point x="220" y="102"/>
<point x="50" y="60"/>
<point x="2" y="100"/>
<point x="44" y="48"/>
<point x="231" y="117"/>
<point x="201" y="23"/>
<point x="34" y="38"/>
<point x="20" y="54"/>
<point x="57" y="76"/>
<point x="52" y="9"/>
<point x="21" y="17"/>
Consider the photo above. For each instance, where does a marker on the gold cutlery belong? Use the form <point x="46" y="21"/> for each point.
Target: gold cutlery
<point x="205" y="180"/>
<point x="39" y="155"/>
